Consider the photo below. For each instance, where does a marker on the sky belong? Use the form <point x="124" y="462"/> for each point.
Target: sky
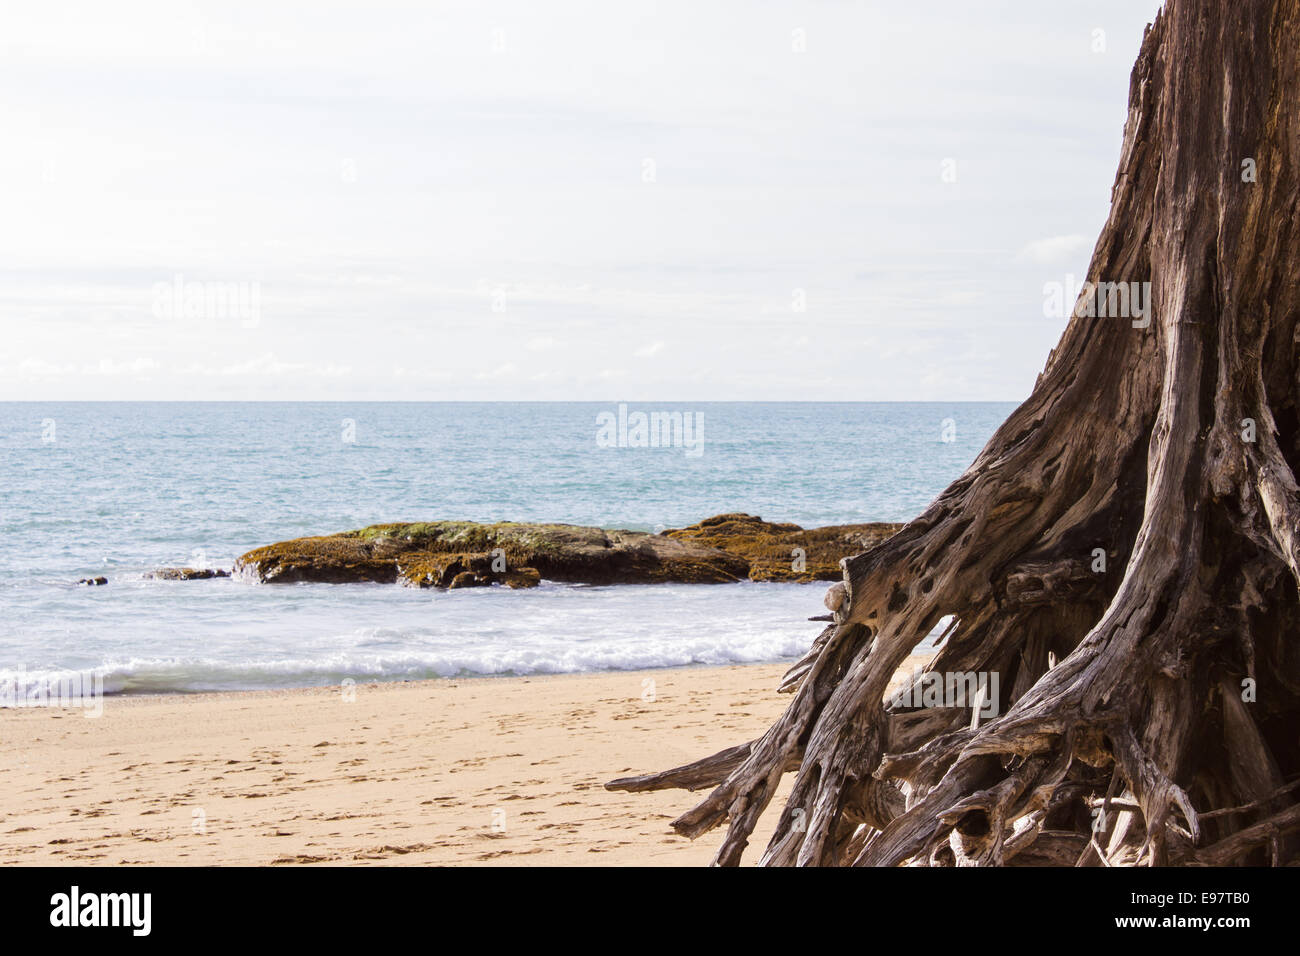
<point x="730" y="200"/>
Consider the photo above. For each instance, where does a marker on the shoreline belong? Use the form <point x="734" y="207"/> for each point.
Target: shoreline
<point x="400" y="681"/>
<point x="261" y="637"/>
<point x="464" y="771"/>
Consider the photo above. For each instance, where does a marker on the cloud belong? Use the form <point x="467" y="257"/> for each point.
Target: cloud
<point x="135" y="367"/>
<point x="406" y="191"/>
<point x="1055" y="250"/>
<point x="269" y="366"/>
<point x="39" y="368"/>
<point x="508" y="370"/>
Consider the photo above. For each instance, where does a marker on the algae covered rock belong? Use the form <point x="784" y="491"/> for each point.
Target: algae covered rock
<point x="786" y="552"/>
<point x="457" y="554"/>
<point x="186" y="574"/>
<point x="459" y="570"/>
<point x="435" y="554"/>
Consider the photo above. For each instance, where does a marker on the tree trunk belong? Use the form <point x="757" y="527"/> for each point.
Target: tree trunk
<point x="1124" y="553"/>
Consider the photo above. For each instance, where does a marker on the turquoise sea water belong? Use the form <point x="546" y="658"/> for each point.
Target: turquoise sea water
<point x="116" y="489"/>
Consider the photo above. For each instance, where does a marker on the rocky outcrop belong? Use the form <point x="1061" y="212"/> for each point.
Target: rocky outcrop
<point x="786" y="552"/>
<point x="464" y="553"/>
<point x="464" y="571"/>
<point x="457" y="554"/>
<point x="93" y="582"/>
<point x="186" y="574"/>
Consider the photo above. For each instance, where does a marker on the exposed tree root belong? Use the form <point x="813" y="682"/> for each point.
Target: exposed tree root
<point x="1124" y="553"/>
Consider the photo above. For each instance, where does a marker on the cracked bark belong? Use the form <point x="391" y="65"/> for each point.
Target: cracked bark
<point x="1172" y="448"/>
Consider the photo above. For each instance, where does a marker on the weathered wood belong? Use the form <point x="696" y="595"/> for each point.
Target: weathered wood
<point x="708" y="772"/>
<point x="1124" y="552"/>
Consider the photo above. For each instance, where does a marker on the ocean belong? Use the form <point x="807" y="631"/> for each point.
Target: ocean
<point x="118" y="489"/>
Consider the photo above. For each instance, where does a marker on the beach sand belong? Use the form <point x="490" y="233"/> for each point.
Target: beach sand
<point x="502" y="771"/>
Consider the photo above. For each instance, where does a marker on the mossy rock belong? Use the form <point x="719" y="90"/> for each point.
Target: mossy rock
<point x="429" y="569"/>
<point x="725" y="548"/>
<point x="469" y="579"/>
<point x="786" y="552"/>
<point x="523" y="578"/>
<point x="186" y="574"/>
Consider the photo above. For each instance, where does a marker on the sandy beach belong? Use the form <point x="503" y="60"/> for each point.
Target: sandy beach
<point x="479" y="771"/>
<point x="505" y="771"/>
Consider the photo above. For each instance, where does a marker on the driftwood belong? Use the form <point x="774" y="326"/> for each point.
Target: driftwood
<point x="1124" y="553"/>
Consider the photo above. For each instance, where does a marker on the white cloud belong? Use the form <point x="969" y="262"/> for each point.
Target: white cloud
<point x="37" y="368"/>
<point x="270" y="366"/>
<point x="1056" y="249"/>
<point x="508" y="370"/>
<point x="382" y="174"/>
<point x="136" y="366"/>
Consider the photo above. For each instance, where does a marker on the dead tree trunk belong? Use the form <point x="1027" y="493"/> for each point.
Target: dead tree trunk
<point x="1124" y="553"/>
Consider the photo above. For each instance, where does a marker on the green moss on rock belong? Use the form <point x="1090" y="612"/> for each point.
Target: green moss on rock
<point x="786" y="552"/>
<point x="724" y="548"/>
